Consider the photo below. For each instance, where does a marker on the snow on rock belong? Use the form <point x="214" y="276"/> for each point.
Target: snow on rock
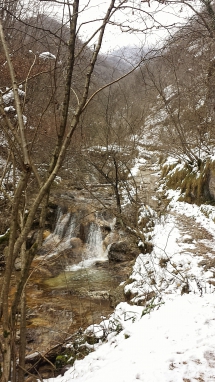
<point x="23" y="117"/>
<point x="47" y="56"/>
<point x="9" y="109"/>
<point x="9" y="96"/>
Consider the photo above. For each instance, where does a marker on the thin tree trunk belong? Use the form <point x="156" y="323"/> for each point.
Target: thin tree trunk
<point x="22" y="344"/>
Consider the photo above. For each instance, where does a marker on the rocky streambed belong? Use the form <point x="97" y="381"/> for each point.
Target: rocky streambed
<point x="75" y="280"/>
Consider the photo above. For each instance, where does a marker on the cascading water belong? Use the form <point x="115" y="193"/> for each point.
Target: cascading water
<point x="94" y="243"/>
<point x="66" y="229"/>
<point x="63" y="232"/>
<point x="93" y="251"/>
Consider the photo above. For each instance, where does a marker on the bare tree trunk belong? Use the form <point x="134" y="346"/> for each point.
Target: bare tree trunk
<point x="22" y="344"/>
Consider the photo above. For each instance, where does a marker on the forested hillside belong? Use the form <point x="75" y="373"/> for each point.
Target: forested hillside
<point x="105" y="159"/>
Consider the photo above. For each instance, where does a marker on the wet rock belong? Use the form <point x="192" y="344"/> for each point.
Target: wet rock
<point x="83" y="232"/>
<point x="46" y="233"/>
<point x="110" y="238"/>
<point x="77" y="246"/>
<point x="116" y="296"/>
<point x="43" y="272"/>
<point x="122" y="251"/>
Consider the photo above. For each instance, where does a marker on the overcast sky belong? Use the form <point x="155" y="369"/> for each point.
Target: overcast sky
<point x="161" y="16"/>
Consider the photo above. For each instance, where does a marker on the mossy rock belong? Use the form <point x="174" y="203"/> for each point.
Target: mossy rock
<point x="192" y="181"/>
<point x="63" y="359"/>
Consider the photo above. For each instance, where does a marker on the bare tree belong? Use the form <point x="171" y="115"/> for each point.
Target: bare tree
<point x="30" y="184"/>
<point x="21" y="223"/>
<point x="67" y="89"/>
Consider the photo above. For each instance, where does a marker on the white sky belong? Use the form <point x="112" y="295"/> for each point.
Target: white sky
<point x="160" y="16"/>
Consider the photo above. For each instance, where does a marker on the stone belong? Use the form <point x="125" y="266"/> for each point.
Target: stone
<point x="116" y="296"/>
<point x="121" y="251"/>
<point x="17" y="264"/>
<point x="77" y="245"/>
<point x="110" y="238"/>
<point x="46" y="233"/>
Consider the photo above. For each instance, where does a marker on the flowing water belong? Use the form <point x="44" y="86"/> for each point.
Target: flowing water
<point x="78" y="294"/>
<point x="64" y="230"/>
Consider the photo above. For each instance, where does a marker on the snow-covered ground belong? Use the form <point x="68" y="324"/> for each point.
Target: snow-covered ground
<point x="174" y="343"/>
<point x="172" y="337"/>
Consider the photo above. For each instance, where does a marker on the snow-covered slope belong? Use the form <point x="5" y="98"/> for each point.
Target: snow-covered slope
<point x="174" y="343"/>
<point x="172" y="338"/>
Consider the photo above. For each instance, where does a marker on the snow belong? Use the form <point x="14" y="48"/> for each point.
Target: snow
<point x="23" y="117"/>
<point x="200" y="103"/>
<point x="5" y="233"/>
<point x="9" y="109"/>
<point x="171" y="160"/>
<point x="172" y="337"/>
<point x="156" y="119"/>
<point x="169" y="92"/>
<point x="197" y="213"/>
<point x="47" y="56"/>
<point x="174" y="343"/>
<point x="9" y="96"/>
<point x="167" y="331"/>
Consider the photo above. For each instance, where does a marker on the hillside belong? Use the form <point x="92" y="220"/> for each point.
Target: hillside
<point x="166" y="332"/>
<point x="107" y="191"/>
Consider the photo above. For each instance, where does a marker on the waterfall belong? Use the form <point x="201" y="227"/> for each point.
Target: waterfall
<point x="63" y="232"/>
<point x="94" y="245"/>
<point x="94" y="250"/>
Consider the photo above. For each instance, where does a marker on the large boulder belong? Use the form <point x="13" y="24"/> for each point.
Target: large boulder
<point x="122" y="251"/>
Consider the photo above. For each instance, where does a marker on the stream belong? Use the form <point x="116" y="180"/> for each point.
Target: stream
<point x="70" y="284"/>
